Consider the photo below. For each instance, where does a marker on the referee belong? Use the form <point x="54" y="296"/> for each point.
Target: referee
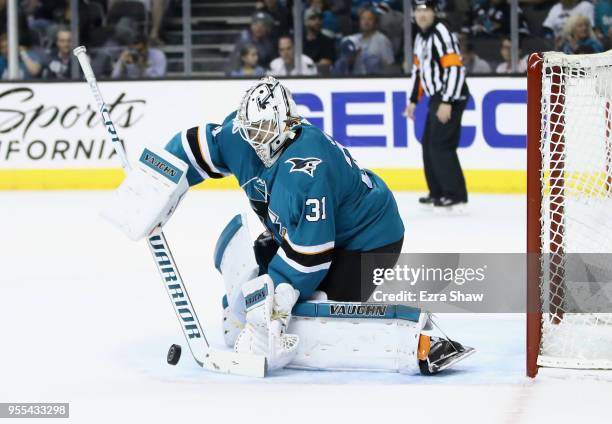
<point x="439" y="73"/>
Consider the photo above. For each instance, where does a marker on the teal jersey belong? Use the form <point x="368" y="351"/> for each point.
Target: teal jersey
<point x="314" y="199"/>
<point x="603" y="16"/>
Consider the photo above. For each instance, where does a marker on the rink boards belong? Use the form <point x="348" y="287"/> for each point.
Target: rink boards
<point x="51" y="136"/>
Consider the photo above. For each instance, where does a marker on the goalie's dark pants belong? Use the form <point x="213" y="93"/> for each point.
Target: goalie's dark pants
<point x="440" y="161"/>
<point x="350" y="275"/>
<point x="347" y="280"/>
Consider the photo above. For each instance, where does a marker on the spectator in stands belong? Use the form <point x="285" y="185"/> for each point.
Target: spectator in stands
<point x="345" y="65"/>
<point x="579" y="37"/>
<point x="444" y="8"/>
<point x="350" y="62"/>
<point x="285" y="64"/>
<point x="257" y="35"/>
<point x="329" y="21"/>
<point x="282" y="21"/>
<point x="85" y="20"/>
<point x="248" y="63"/>
<point x="41" y="14"/>
<point x="391" y="23"/>
<point x="140" y="61"/>
<point x="506" y="53"/>
<point x="492" y="19"/>
<point x="320" y="48"/>
<point x="156" y="8"/>
<point x="24" y="30"/>
<point x="603" y="20"/>
<point x="58" y="64"/>
<point x="372" y="45"/>
<point x="357" y="5"/>
<point x="472" y="62"/>
<point x="554" y="23"/>
<point x="30" y="60"/>
<point x="104" y="58"/>
<point x="540" y="4"/>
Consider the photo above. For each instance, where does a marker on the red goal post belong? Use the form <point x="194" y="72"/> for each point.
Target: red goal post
<point x="569" y="157"/>
<point x="534" y="227"/>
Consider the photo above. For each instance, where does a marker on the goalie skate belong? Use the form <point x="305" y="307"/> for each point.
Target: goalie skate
<point x="442" y="355"/>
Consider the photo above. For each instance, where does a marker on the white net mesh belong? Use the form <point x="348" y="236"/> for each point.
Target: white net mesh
<point x="576" y="212"/>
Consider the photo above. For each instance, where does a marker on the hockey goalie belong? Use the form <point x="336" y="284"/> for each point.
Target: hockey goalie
<point x="294" y="295"/>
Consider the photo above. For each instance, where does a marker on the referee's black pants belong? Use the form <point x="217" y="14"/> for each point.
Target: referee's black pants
<point x="440" y="142"/>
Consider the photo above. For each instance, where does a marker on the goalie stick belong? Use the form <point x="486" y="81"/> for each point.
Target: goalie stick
<point x="207" y="357"/>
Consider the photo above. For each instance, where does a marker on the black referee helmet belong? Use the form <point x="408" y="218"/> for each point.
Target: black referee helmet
<point x="421" y="4"/>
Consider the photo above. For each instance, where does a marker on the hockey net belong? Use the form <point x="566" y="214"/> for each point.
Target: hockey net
<point x="569" y="211"/>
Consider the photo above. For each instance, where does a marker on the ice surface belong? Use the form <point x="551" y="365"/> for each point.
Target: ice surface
<point x="84" y="319"/>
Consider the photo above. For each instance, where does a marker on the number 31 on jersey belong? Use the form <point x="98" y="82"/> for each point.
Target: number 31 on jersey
<point x="315" y="209"/>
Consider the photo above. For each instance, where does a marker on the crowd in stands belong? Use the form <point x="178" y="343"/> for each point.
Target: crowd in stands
<point x="364" y="37"/>
<point x="341" y="37"/>
<point x="366" y="50"/>
<point x="114" y="35"/>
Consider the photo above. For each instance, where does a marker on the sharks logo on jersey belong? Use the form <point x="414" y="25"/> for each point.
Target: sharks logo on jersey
<point x="256" y="190"/>
<point x="275" y="219"/>
<point x="305" y="165"/>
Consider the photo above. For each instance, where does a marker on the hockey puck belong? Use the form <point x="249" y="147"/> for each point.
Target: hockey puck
<point x="174" y="354"/>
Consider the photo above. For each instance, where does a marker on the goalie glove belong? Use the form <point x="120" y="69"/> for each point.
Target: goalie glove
<point x="267" y="318"/>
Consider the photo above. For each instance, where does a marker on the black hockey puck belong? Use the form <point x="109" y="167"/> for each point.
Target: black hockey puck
<point x="174" y="354"/>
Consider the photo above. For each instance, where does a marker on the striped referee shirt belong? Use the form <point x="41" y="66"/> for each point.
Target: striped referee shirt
<point x="437" y="65"/>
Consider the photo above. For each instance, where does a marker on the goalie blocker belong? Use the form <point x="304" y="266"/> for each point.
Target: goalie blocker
<point x="333" y="335"/>
<point x="149" y="194"/>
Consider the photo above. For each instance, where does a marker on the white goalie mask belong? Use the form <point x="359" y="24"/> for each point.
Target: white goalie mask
<point x="266" y="114"/>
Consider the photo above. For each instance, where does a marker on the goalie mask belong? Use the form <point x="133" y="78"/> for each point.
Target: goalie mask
<point x="265" y="117"/>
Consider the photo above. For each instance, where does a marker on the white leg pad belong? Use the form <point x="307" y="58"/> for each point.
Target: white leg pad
<point x="235" y="260"/>
<point x="356" y="336"/>
<point x="232" y="326"/>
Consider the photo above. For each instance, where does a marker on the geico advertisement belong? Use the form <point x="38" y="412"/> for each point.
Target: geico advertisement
<point x="58" y="126"/>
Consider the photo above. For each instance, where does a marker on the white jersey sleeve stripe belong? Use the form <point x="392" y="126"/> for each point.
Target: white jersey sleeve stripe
<point x="310" y="250"/>
<point x="206" y="151"/>
<point x="191" y="157"/>
<point x="301" y="268"/>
